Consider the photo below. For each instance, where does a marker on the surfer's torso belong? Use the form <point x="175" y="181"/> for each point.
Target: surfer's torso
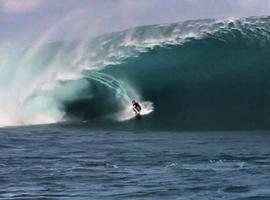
<point x="136" y="107"/>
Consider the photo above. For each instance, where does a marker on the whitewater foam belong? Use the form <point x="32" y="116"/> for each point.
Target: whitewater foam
<point x="37" y="83"/>
<point x="127" y="113"/>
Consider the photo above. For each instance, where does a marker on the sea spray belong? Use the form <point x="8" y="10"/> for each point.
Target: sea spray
<point x="210" y="74"/>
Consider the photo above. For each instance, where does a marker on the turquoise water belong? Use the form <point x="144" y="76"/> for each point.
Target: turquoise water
<point x="66" y="163"/>
<point x="204" y="89"/>
<point x="196" y="75"/>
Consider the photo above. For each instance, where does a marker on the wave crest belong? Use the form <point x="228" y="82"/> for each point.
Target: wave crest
<point x="198" y="74"/>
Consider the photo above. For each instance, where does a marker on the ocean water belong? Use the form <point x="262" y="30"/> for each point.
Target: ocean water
<point x="193" y="75"/>
<point x="196" y="80"/>
<point x="46" y="162"/>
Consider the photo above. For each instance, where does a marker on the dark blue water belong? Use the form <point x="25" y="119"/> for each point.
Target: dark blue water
<point x="58" y="163"/>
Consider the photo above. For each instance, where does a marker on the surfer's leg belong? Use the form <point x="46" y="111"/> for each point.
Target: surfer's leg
<point x="135" y="110"/>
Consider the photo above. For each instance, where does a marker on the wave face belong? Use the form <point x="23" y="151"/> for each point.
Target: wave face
<point x="203" y="74"/>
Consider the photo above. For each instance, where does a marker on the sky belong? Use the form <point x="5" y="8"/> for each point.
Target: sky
<point x="71" y="19"/>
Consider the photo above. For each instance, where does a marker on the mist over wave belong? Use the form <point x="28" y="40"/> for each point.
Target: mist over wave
<point x="201" y="74"/>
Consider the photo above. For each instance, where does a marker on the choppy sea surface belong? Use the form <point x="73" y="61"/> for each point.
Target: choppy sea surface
<point x="59" y="163"/>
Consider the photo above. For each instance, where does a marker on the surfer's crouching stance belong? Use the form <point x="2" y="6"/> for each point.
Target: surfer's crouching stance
<point x="136" y="107"/>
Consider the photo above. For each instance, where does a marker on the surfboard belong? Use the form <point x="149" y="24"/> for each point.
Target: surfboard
<point x="128" y="113"/>
<point x="137" y="115"/>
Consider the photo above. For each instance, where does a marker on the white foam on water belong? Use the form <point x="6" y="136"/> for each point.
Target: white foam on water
<point x="127" y="113"/>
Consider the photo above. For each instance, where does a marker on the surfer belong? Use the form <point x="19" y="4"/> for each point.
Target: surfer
<point x="136" y="107"/>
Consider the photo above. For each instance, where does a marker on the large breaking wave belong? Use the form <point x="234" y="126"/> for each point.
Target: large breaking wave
<point x="203" y="74"/>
